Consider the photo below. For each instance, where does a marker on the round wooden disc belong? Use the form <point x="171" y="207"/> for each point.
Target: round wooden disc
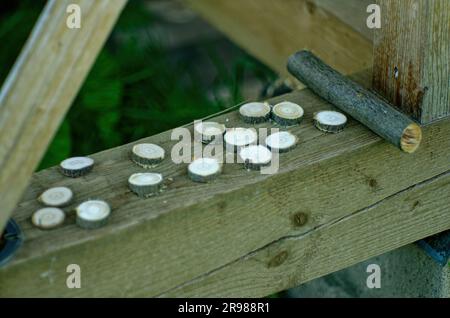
<point x="147" y="155"/>
<point x="145" y="184"/>
<point x="209" y="130"/>
<point x="145" y="179"/>
<point x="239" y="137"/>
<point x="255" y="156"/>
<point x="76" y="166"/>
<point x="330" y="118"/>
<point x="281" y="141"/>
<point x="204" y="169"/>
<point x="330" y="121"/>
<point x="48" y="218"/>
<point x="255" y="112"/>
<point x="149" y="151"/>
<point x="287" y="113"/>
<point x="57" y="196"/>
<point x="92" y="213"/>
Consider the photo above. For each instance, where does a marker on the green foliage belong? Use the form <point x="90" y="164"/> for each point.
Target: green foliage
<point x="135" y="88"/>
<point x="60" y="147"/>
<point x="16" y="21"/>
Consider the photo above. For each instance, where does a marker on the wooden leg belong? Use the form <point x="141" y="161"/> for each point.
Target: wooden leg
<point x="41" y="86"/>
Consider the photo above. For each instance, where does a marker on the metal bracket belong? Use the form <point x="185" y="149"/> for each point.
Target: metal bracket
<point x="12" y="239"/>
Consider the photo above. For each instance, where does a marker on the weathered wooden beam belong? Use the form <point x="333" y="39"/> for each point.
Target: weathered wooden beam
<point x="41" y="86"/>
<point x="362" y="104"/>
<point x="389" y="224"/>
<point x="155" y="245"/>
<point x="272" y="30"/>
<point x="411" y="57"/>
<point x="351" y="12"/>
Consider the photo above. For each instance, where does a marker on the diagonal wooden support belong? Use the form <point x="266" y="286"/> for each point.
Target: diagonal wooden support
<point x="42" y="85"/>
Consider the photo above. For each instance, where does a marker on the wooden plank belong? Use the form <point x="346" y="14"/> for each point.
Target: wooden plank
<point x="190" y="229"/>
<point x="352" y="12"/>
<point x="411" y="68"/>
<point x="41" y="86"/>
<point x="273" y="30"/>
<point x="390" y="223"/>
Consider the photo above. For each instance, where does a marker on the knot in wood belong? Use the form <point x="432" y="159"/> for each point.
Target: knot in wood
<point x="278" y="259"/>
<point x="299" y="219"/>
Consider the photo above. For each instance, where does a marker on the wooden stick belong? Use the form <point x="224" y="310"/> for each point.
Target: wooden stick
<point x="360" y="103"/>
<point x="41" y="86"/>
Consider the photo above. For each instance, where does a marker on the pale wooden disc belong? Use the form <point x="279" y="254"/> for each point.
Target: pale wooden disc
<point x="145" y="179"/>
<point x="282" y="140"/>
<point x="205" y="167"/>
<point x="255" y="109"/>
<point x="93" y="210"/>
<point x="77" y="163"/>
<point x="256" y="154"/>
<point x="288" y="110"/>
<point x="148" y="151"/>
<point x="209" y="130"/>
<point x="57" y="196"/>
<point x="48" y="218"/>
<point x="330" y="118"/>
<point x="240" y="137"/>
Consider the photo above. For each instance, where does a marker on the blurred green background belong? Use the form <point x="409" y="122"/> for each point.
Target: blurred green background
<point x="161" y="67"/>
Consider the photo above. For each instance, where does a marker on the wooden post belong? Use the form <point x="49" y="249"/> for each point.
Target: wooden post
<point x="41" y="86"/>
<point x="411" y="57"/>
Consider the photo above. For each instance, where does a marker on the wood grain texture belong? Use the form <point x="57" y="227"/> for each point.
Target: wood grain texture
<point x="355" y="100"/>
<point x="411" y="57"/>
<point x="272" y="30"/>
<point x="390" y="223"/>
<point x="351" y="12"/>
<point x="41" y="86"/>
<point x="190" y="229"/>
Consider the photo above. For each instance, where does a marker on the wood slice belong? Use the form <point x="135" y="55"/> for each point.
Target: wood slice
<point x="282" y="141"/>
<point x="255" y="156"/>
<point x="76" y="166"/>
<point x="287" y="113"/>
<point x="210" y="131"/>
<point x="330" y="121"/>
<point x="204" y="169"/>
<point x="147" y="155"/>
<point x="48" y="218"/>
<point x="236" y="138"/>
<point x="255" y="112"/>
<point x="145" y="184"/>
<point x="93" y="214"/>
<point x="56" y="197"/>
